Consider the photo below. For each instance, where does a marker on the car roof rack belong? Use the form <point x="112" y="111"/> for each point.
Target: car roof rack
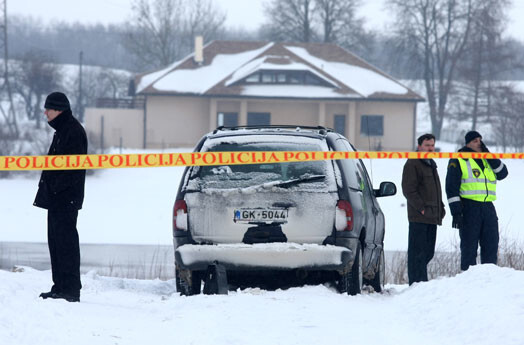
<point x="321" y="129"/>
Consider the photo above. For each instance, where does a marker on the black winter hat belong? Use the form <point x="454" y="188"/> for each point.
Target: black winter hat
<point x="472" y="135"/>
<point x="57" y="101"/>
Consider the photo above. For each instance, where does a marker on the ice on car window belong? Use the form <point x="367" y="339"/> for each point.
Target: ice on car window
<point x="246" y="175"/>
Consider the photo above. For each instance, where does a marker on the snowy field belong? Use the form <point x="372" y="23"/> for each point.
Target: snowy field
<point x="133" y="206"/>
<point x="484" y="305"/>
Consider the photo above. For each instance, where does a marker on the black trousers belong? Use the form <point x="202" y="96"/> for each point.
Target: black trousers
<point x="64" y="249"/>
<point x="481" y="226"/>
<point x="421" y="248"/>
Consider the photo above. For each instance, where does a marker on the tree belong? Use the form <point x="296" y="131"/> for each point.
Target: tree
<point x="202" y="19"/>
<point x="486" y="56"/>
<point x="291" y="20"/>
<point x="509" y="122"/>
<point x="163" y="30"/>
<point x="34" y="78"/>
<point x="437" y="31"/>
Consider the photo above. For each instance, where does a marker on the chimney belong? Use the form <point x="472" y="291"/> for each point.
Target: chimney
<point x="199" y="50"/>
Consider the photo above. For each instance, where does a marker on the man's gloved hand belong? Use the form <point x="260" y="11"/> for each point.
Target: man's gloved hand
<point x="483" y="147"/>
<point x="458" y="221"/>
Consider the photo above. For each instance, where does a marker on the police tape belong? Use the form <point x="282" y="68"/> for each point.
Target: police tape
<point x="150" y="160"/>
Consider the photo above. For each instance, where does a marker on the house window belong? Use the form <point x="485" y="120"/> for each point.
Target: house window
<point x="268" y="77"/>
<point x="340" y="124"/>
<point x="227" y="119"/>
<point x="253" y="78"/>
<point x="372" y="125"/>
<point x="285" y="77"/>
<point x="295" y="78"/>
<point x="258" y="119"/>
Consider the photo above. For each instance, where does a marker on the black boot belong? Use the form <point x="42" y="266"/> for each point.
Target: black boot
<point x="46" y="295"/>
<point x="67" y="297"/>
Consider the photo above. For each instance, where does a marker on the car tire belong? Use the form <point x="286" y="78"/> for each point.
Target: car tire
<point x="351" y="282"/>
<point x="377" y="283"/>
<point x="188" y="282"/>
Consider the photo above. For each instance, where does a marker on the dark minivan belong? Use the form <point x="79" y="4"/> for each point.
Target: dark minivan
<point x="316" y="217"/>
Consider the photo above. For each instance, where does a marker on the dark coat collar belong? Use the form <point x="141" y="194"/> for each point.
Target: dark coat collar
<point x="58" y="122"/>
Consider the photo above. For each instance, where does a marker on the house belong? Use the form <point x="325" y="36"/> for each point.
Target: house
<point x="234" y="83"/>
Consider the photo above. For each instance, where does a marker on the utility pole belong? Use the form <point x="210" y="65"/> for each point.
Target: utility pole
<point x="10" y="116"/>
<point x="79" y="106"/>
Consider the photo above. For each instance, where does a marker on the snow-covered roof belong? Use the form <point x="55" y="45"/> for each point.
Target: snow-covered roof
<point x="227" y="63"/>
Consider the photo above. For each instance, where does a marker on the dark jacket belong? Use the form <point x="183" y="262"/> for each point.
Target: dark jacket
<point x="59" y="189"/>
<point x="421" y="187"/>
<point x="454" y="179"/>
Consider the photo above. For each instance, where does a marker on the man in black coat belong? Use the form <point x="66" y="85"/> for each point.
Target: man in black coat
<point x="471" y="190"/>
<point x="421" y="187"/>
<point x="61" y="192"/>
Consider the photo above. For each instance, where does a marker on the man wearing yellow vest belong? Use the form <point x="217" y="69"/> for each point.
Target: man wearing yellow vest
<point x="471" y="187"/>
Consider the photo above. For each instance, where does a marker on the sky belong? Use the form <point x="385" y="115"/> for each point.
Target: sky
<point x="240" y="13"/>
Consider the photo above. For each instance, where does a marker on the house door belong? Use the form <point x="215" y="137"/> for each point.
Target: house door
<point x="227" y="119"/>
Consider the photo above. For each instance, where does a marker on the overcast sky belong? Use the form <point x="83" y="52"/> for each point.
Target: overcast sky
<point x="240" y="13"/>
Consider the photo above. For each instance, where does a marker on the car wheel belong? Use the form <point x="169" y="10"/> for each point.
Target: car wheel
<point x="380" y="275"/>
<point x="188" y="282"/>
<point x="351" y="282"/>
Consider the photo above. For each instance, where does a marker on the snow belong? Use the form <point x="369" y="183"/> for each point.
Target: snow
<point x="199" y="80"/>
<point x="364" y="81"/>
<point x="484" y="305"/>
<point x="261" y="64"/>
<point x="298" y="91"/>
<point x="276" y="255"/>
<point x="202" y="79"/>
<point x="147" y="79"/>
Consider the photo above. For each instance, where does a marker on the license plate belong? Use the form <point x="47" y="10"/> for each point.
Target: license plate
<point x="261" y="215"/>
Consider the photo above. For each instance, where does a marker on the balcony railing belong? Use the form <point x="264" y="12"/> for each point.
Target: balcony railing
<point x="124" y="103"/>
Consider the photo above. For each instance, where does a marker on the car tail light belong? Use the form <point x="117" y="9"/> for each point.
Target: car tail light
<point x="344" y="216"/>
<point x="180" y="215"/>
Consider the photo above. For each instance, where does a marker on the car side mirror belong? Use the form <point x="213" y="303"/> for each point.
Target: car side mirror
<point x="386" y="189"/>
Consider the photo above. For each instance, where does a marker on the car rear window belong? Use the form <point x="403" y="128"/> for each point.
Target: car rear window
<point x="315" y="175"/>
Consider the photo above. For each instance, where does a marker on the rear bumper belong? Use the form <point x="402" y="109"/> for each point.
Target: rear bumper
<point x="273" y="256"/>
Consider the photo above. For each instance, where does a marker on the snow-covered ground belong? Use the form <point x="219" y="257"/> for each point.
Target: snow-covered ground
<point x="484" y="305"/>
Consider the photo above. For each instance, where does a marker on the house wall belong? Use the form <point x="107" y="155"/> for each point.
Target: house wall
<point x="181" y="121"/>
<point x="398" y="126"/>
<point x="119" y="124"/>
<point x="176" y="121"/>
<point x="287" y="112"/>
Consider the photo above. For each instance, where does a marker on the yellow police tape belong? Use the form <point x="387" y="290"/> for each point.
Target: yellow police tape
<point x="149" y="160"/>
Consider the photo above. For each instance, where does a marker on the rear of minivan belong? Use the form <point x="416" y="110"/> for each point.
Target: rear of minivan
<point x="278" y="216"/>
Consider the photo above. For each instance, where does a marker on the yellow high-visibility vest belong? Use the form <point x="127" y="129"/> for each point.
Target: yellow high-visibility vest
<point x="477" y="184"/>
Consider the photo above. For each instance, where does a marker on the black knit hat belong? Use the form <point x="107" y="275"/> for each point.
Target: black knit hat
<point x="472" y="135"/>
<point x="57" y="101"/>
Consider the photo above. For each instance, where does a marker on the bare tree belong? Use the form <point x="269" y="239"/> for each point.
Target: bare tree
<point x="202" y="18"/>
<point x="485" y="57"/>
<point x="509" y="122"/>
<point x="437" y="31"/>
<point x="162" y="30"/>
<point x="34" y="78"/>
<point x="291" y="20"/>
<point x="155" y="34"/>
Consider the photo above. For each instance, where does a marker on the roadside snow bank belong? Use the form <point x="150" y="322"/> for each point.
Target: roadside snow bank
<point x="484" y="305"/>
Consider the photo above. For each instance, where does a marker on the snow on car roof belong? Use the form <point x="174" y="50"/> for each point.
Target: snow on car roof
<point x="271" y="137"/>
